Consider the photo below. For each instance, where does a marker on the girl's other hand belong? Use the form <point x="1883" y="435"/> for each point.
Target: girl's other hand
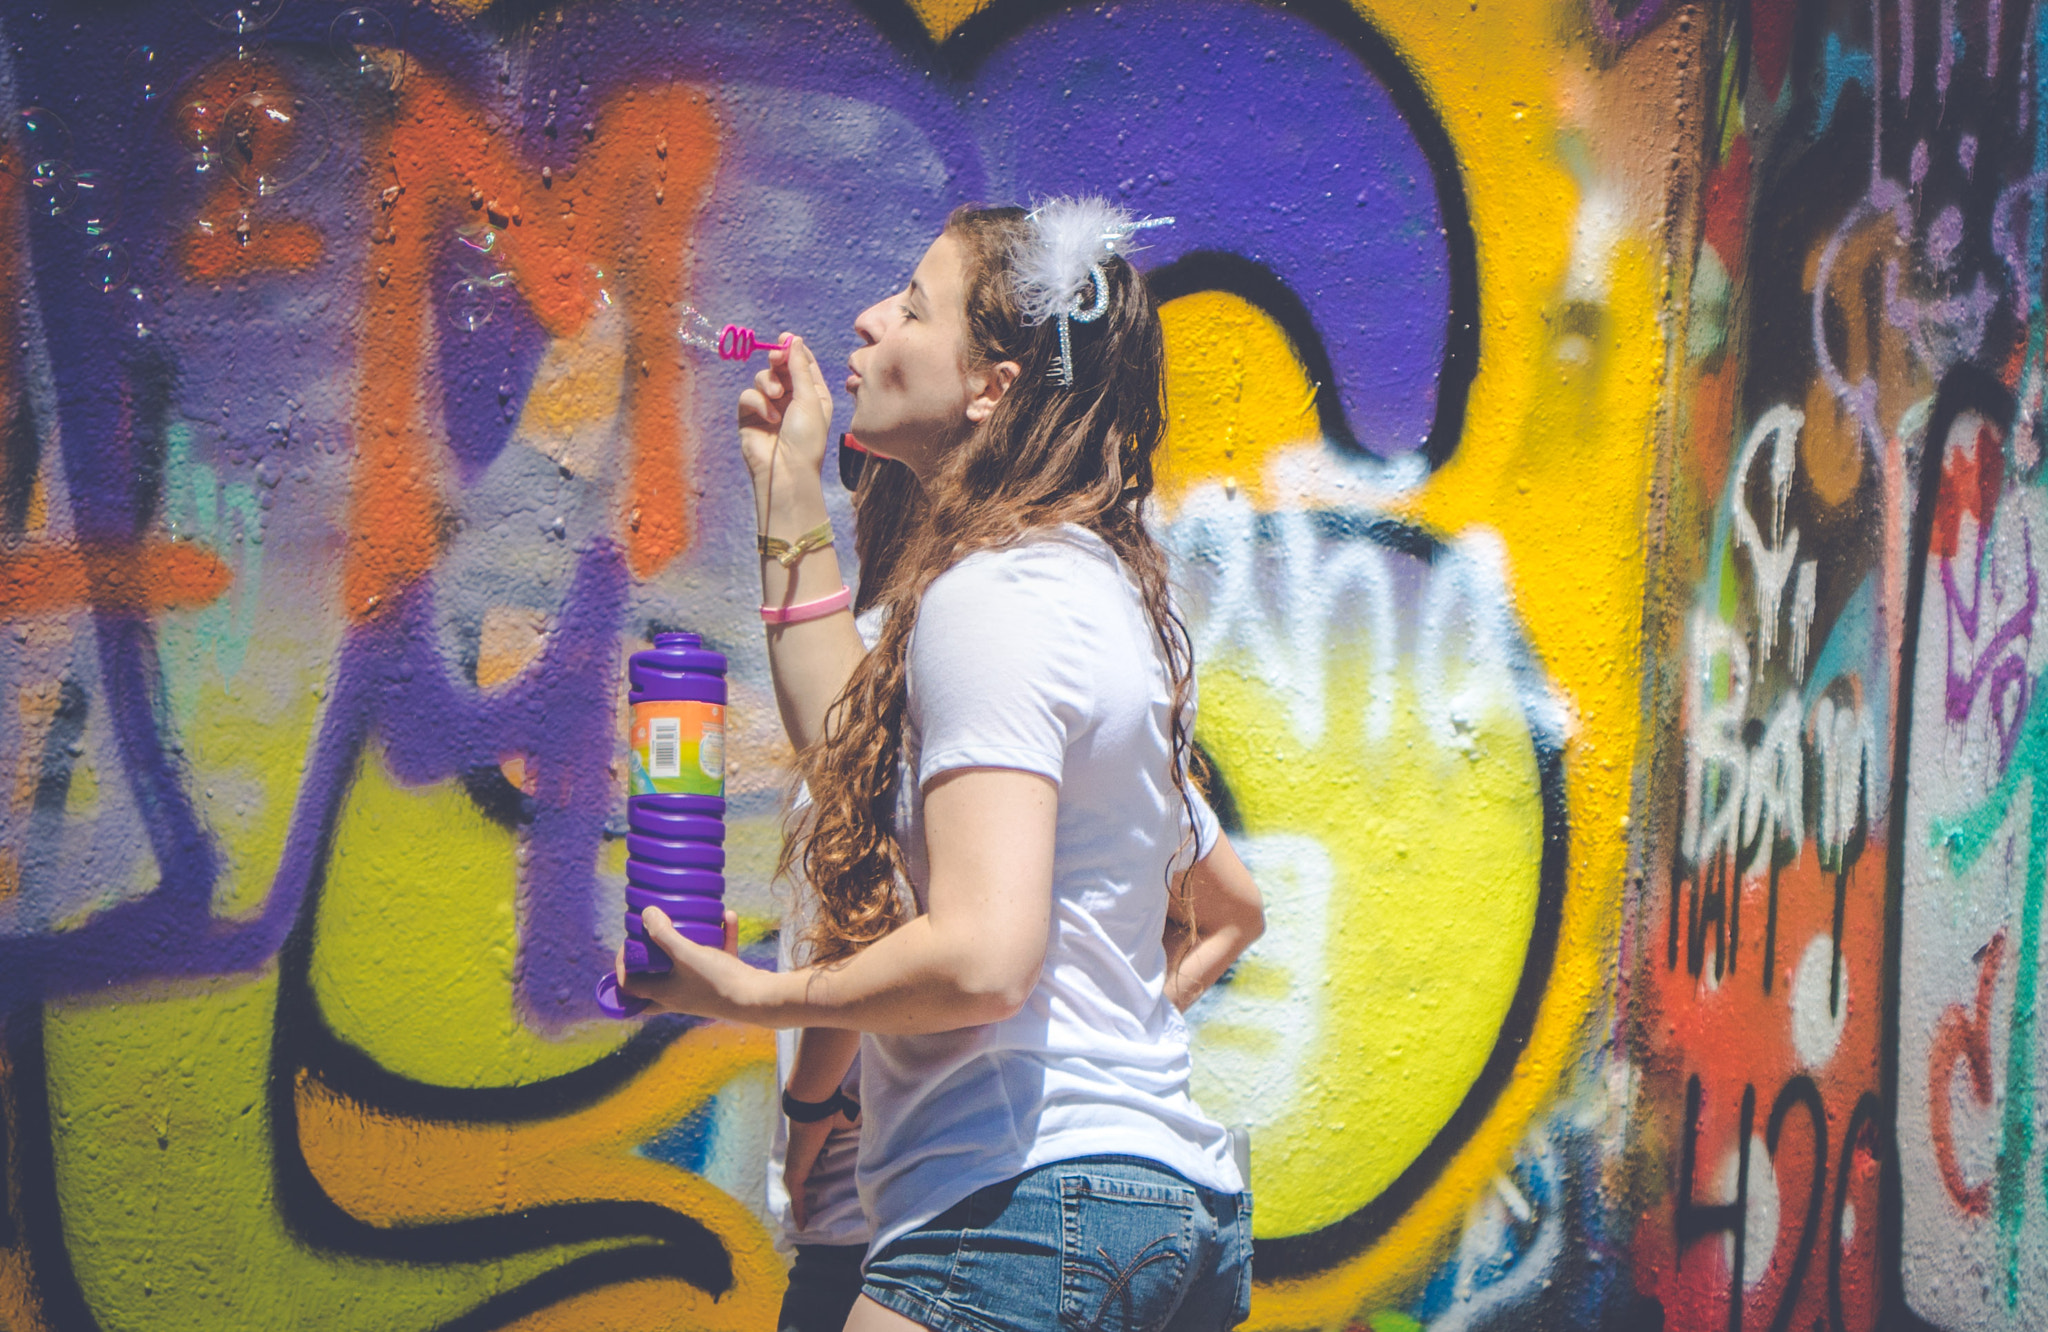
<point x="806" y="1143"/>
<point x="785" y="414"/>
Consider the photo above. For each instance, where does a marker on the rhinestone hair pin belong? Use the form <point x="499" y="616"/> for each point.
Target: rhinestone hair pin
<point x="1071" y="240"/>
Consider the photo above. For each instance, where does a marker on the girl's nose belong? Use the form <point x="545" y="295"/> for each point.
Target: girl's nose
<point x="868" y="324"/>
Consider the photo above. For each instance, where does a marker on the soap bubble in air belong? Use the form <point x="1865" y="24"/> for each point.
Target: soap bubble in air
<point x="52" y="188"/>
<point x="39" y="134"/>
<point x="147" y="72"/>
<point x="95" y="208"/>
<point x="106" y="266"/>
<point x="35" y="147"/>
<point x="199" y="129"/>
<point x="366" y="44"/>
<point x="240" y="17"/>
<point x="269" y="140"/>
<point x="137" y="311"/>
<point x="472" y="301"/>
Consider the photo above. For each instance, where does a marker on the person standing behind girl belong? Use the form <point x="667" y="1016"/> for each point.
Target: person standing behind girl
<point x="1016" y="749"/>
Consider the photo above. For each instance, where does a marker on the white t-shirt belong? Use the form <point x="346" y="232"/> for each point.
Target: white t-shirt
<point x="1039" y="657"/>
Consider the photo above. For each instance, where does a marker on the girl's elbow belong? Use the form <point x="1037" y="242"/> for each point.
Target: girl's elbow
<point x="993" y="994"/>
<point x="998" y="1002"/>
<point x="1249" y="922"/>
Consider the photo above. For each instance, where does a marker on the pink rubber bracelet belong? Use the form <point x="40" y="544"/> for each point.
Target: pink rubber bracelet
<point x="809" y="610"/>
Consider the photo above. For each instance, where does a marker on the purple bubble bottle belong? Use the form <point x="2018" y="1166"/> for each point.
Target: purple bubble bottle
<point x="675" y="806"/>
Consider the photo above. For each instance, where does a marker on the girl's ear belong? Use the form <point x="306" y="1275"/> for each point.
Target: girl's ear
<point x="987" y="387"/>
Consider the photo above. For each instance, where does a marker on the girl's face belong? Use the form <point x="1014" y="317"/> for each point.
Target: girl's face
<point x="913" y="394"/>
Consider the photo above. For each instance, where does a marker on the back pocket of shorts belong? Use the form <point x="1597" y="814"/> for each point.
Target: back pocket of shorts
<point x="1123" y="1252"/>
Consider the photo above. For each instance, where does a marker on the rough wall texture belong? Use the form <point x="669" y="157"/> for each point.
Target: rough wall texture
<point x="1605" y="445"/>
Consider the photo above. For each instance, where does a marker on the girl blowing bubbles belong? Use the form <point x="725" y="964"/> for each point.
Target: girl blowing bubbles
<point x="1014" y="751"/>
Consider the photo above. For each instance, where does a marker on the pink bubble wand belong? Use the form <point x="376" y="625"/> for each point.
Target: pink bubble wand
<point x="733" y="342"/>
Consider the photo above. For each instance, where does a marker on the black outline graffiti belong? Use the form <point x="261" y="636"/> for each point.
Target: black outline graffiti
<point x="302" y="1042"/>
<point x="1802" y="1090"/>
<point x="1966" y="388"/>
<point x="1696" y="1221"/>
<point x="1259" y="286"/>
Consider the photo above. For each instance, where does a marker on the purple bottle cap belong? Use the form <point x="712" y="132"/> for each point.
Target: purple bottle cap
<point x="613" y="1004"/>
<point x="678" y="666"/>
<point x="676" y="825"/>
<point x="665" y="879"/>
<point x="678" y="907"/>
<point x="646" y="959"/>
<point x="682" y="855"/>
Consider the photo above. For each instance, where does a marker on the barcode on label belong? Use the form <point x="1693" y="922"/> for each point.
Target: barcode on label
<point x="665" y="747"/>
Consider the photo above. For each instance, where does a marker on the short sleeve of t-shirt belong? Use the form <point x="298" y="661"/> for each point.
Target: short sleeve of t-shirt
<point x="1003" y="658"/>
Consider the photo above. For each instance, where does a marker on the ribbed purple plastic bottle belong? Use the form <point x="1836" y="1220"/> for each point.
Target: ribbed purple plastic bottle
<point x="675" y="806"/>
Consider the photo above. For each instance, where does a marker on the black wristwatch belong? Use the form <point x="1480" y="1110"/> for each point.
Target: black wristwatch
<point x="810" y="1112"/>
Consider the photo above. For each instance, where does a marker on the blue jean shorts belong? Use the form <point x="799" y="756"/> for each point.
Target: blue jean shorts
<point x="1099" y="1244"/>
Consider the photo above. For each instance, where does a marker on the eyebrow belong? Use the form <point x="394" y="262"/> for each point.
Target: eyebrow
<point x="917" y="292"/>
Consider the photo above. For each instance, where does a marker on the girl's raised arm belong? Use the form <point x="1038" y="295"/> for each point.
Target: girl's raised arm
<point x="812" y="646"/>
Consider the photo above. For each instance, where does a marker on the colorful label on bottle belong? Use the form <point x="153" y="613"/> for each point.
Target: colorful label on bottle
<point x="678" y="748"/>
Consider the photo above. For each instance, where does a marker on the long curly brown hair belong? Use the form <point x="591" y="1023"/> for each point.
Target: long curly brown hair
<point x="1048" y="454"/>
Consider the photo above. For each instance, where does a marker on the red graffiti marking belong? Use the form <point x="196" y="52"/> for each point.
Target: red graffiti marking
<point x="140" y="577"/>
<point x="1970" y="483"/>
<point x="1963" y="1037"/>
<point x="619" y="223"/>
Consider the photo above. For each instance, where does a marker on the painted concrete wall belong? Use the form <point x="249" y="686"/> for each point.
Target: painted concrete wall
<point x="1596" y="431"/>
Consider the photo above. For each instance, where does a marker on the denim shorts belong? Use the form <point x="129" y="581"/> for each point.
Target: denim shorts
<point x="1099" y="1244"/>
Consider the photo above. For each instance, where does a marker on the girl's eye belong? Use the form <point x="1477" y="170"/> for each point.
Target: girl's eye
<point x="905" y="311"/>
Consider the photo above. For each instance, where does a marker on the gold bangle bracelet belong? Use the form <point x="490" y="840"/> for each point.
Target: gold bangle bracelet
<point x="787" y="553"/>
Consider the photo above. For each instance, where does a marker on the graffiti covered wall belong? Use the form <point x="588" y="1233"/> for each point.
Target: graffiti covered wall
<point x="1595" y="430"/>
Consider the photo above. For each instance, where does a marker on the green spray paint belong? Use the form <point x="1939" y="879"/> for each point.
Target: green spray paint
<point x="1966" y="839"/>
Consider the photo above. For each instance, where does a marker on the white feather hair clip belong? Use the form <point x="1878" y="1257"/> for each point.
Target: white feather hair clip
<point x="1070" y="240"/>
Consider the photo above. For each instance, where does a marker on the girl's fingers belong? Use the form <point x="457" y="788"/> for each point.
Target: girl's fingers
<point x="732" y="933"/>
<point x="756" y="408"/>
<point x="660" y="930"/>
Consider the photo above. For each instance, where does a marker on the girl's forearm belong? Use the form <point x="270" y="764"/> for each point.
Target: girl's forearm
<point x="1201" y="963"/>
<point x="823" y="1056"/>
<point x="810" y="661"/>
<point x="911" y="982"/>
